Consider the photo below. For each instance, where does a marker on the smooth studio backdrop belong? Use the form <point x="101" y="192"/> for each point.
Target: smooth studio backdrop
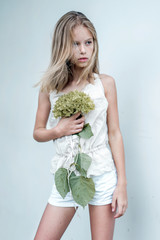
<point x="128" y="34"/>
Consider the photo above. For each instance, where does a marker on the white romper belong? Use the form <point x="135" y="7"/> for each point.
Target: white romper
<point x="102" y="168"/>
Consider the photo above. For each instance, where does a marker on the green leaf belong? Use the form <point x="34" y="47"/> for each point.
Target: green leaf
<point x="83" y="189"/>
<point x="73" y="174"/>
<point x="76" y="158"/>
<point x="61" y="181"/>
<point x="86" y="131"/>
<point x="83" y="161"/>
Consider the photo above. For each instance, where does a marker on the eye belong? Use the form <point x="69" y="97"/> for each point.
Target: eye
<point x="88" y="42"/>
<point x="75" y="43"/>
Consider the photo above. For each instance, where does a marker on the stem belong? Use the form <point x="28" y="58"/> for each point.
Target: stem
<point x="75" y="162"/>
<point x="79" y="145"/>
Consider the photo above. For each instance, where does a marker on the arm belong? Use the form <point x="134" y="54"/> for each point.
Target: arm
<point x="116" y="143"/>
<point x="66" y="126"/>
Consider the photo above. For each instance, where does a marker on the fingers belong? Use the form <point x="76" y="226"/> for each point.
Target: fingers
<point x="79" y="123"/>
<point x="76" y="115"/>
<point x="119" y="201"/>
<point x="78" y="130"/>
<point x="121" y="211"/>
<point x="113" y="205"/>
<point x="79" y="127"/>
<point x="72" y="125"/>
<point x="80" y="120"/>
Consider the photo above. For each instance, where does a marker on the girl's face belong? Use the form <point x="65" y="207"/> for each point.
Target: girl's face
<point x="82" y="47"/>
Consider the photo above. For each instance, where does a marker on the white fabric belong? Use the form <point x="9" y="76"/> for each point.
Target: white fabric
<point x="105" y="185"/>
<point x="97" y="146"/>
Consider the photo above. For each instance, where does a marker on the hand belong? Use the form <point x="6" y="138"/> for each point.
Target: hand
<point x="119" y="201"/>
<point x="71" y="125"/>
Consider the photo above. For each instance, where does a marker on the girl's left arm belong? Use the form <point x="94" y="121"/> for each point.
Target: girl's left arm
<point x="116" y="143"/>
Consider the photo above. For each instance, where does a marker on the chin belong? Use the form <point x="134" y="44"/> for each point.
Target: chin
<point x="82" y="64"/>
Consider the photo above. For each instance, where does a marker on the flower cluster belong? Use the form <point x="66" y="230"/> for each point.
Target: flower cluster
<point x="71" y="103"/>
<point x="82" y="187"/>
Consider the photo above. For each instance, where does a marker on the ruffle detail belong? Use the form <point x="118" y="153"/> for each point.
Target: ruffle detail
<point x="98" y="153"/>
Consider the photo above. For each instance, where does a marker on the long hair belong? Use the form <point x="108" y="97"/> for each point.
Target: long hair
<point x="59" y="71"/>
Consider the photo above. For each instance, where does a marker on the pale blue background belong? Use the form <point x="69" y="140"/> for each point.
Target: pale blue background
<point x="129" y="37"/>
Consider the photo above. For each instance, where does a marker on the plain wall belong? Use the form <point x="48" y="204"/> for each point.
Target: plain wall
<point x="129" y="50"/>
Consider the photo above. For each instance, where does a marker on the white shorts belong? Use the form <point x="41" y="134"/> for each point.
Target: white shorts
<point x="104" y="187"/>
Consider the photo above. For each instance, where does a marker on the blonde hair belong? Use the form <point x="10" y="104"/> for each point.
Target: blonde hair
<point x="59" y="71"/>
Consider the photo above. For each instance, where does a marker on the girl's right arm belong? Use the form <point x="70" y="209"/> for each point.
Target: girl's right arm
<point x="66" y="126"/>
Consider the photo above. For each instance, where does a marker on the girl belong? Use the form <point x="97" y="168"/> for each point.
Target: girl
<point x="74" y="65"/>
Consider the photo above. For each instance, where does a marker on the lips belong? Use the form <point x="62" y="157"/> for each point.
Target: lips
<point x="82" y="59"/>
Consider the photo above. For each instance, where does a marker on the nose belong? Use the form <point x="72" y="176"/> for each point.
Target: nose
<point x="82" y="49"/>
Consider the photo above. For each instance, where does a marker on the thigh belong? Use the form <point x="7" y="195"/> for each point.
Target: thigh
<point x="102" y="222"/>
<point x="54" y="222"/>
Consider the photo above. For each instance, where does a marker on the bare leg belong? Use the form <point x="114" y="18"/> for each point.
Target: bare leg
<point x="54" y="222"/>
<point x="102" y="222"/>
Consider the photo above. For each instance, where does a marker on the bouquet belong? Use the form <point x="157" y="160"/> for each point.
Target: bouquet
<point x="82" y="188"/>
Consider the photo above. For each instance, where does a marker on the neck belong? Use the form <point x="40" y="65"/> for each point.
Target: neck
<point x="76" y="73"/>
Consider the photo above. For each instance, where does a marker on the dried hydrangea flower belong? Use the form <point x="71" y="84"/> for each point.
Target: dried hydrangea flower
<point x="72" y="103"/>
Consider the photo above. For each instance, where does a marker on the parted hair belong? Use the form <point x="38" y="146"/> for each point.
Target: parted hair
<point x="60" y="69"/>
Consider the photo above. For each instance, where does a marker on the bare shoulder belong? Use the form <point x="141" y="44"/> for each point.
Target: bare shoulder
<point x="44" y="97"/>
<point x="44" y="101"/>
<point x="111" y="96"/>
<point x="42" y="110"/>
<point x="108" y="83"/>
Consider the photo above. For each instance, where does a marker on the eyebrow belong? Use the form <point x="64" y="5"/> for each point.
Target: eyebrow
<point x="84" y="40"/>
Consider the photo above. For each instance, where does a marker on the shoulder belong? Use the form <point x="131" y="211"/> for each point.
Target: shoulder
<point x="108" y="83"/>
<point x="43" y="93"/>
<point x="44" y="98"/>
